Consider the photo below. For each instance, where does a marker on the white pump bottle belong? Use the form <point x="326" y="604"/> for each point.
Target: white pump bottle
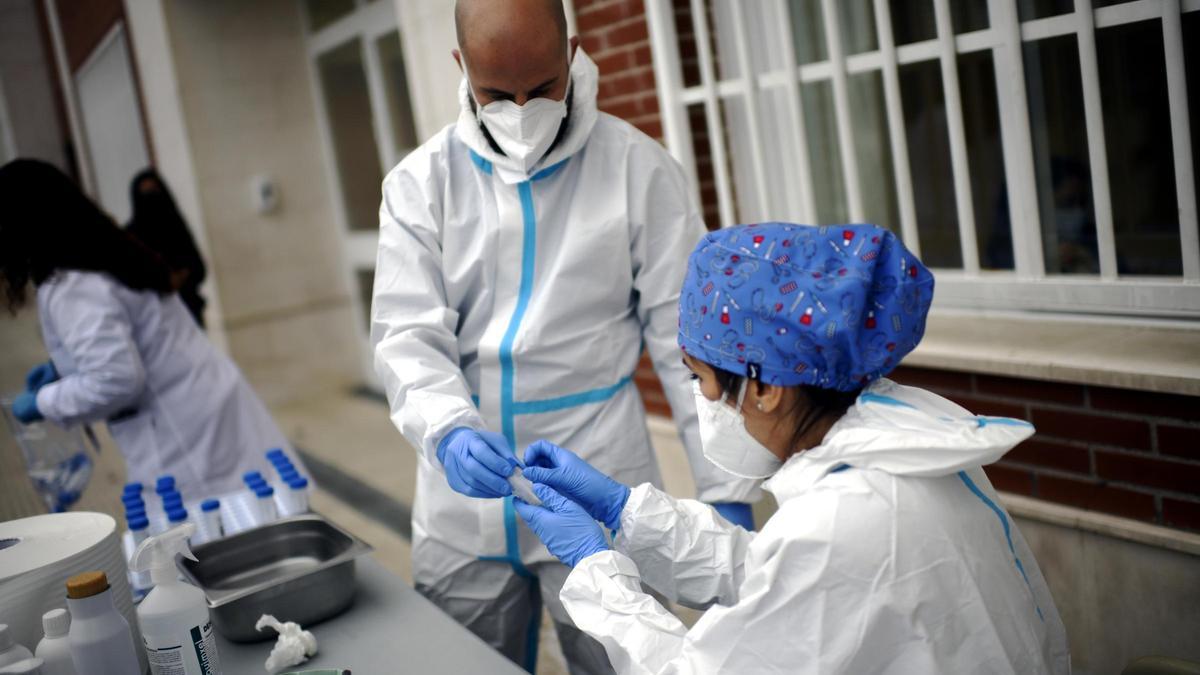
<point x="176" y="630"/>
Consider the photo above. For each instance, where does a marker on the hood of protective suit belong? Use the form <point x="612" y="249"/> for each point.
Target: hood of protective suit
<point x="585" y="79"/>
<point x="903" y="431"/>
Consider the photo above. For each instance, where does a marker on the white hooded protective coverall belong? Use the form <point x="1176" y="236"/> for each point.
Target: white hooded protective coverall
<point x="519" y="304"/>
<point x="136" y="359"/>
<point x="890" y="553"/>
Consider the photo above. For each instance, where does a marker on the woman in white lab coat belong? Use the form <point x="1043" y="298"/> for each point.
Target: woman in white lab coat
<point x="123" y="348"/>
<point x="890" y="551"/>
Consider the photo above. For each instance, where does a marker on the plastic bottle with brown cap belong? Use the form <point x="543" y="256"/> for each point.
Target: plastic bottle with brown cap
<point x="101" y="643"/>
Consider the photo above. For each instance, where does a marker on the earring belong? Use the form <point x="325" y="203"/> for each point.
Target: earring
<point x="760" y="407"/>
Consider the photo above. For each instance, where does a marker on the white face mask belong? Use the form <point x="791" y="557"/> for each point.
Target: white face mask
<point x="523" y="132"/>
<point x="725" y="441"/>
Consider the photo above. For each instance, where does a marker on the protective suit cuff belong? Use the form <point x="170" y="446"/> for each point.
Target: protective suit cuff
<point x="610" y="563"/>
<point x="627" y="522"/>
<point x="435" y="434"/>
<point x="45" y="402"/>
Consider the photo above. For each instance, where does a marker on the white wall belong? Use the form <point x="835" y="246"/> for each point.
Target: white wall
<point x="427" y="31"/>
<point x="247" y="108"/>
<point x="112" y="122"/>
<point x="28" y="87"/>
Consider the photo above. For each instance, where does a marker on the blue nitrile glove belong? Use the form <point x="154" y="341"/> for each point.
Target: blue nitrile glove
<point x="40" y="376"/>
<point x="563" y="526"/>
<point x="602" y="497"/>
<point x="737" y="513"/>
<point x="478" y="463"/>
<point x="25" y="408"/>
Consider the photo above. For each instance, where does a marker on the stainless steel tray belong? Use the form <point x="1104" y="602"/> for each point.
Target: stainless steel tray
<point x="298" y="569"/>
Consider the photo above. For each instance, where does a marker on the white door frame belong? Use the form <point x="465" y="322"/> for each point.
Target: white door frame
<point x="431" y="86"/>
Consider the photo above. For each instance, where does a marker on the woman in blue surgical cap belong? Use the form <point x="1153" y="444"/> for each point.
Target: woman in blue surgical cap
<point x="890" y="551"/>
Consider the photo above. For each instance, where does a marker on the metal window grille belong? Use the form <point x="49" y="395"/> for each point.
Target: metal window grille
<point x="766" y="157"/>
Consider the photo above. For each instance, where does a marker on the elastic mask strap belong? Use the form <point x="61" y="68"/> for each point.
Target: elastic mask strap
<point x="742" y="394"/>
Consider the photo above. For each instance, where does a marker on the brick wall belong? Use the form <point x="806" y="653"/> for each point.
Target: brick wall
<point x="614" y="33"/>
<point x="1129" y="453"/>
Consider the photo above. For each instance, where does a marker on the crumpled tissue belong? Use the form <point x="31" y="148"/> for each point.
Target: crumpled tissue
<point x="294" y="646"/>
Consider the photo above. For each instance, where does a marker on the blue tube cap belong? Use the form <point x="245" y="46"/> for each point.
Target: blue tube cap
<point x="276" y="452"/>
<point x="177" y="515"/>
<point x="210" y="505"/>
<point x="133" y="488"/>
<point x="164" y="483"/>
<point x="137" y="524"/>
<point x="132" y="500"/>
<point x="250" y="475"/>
<point x="299" y="483"/>
<point x="264" y="491"/>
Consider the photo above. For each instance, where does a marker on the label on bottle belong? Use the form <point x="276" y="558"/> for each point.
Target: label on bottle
<point x="196" y="656"/>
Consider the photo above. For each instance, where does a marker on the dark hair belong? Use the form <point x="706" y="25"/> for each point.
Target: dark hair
<point x="48" y="225"/>
<point x="813" y="403"/>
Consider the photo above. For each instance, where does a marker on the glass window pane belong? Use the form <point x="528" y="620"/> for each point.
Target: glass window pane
<point x="808" y="31"/>
<point x="912" y="20"/>
<point x="981" y="119"/>
<point x="1137" y="133"/>
<point x="1037" y="9"/>
<point x="1060" y="155"/>
<point x="395" y="81"/>
<point x="929" y="156"/>
<point x="856" y="23"/>
<point x="689" y="58"/>
<point x="873" y="150"/>
<point x="1191" y="61"/>
<point x="705" y="168"/>
<point x="347" y="103"/>
<point x="969" y="15"/>
<point x="321" y="13"/>
<point x="366" y="286"/>
<point x="825" y="153"/>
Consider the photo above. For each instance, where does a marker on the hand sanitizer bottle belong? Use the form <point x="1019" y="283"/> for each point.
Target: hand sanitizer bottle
<point x="176" y="630"/>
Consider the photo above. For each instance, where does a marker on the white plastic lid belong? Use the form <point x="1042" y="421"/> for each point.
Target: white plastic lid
<point x="6" y="639"/>
<point x="56" y="623"/>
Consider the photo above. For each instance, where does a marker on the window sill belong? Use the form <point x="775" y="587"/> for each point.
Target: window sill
<point x="1100" y="523"/>
<point x="1161" y="357"/>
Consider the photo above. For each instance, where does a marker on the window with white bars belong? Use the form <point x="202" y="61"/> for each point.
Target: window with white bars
<point x="1038" y="154"/>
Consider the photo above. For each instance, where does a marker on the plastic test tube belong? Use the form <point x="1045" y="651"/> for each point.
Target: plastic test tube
<point x="176" y="517"/>
<point x="172" y="501"/>
<point x="266" y="504"/>
<point x="208" y="525"/>
<point x="164" y="484"/>
<point x="139" y="527"/>
<point x="298" y="495"/>
<point x="288" y="475"/>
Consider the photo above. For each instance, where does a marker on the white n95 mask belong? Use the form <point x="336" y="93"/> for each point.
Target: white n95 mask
<point x="725" y="441"/>
<point x="523" y="132"/>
